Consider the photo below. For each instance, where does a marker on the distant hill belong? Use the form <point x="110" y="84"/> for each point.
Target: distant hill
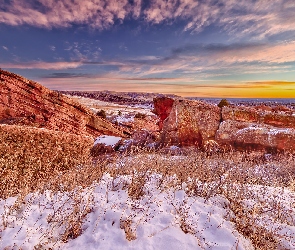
<point x="128" y="98"/>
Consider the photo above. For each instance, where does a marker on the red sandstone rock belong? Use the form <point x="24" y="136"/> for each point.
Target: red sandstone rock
<point x="245" y="135"/>
<point x="198" y="123"/>
<point x="26" y="102"/>
<point x="162" y="108"/>
<point x="258" y="128"/>
<point x="190" y="123"/>
<point x="278" y="117"/>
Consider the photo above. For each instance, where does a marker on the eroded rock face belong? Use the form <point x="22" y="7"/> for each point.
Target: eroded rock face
<point x="190" y="123"/>
<point x="26" y="102"/>
<point x="261" y="128"/>
<point x="255" y="136"/>
<point x="262" y="115"/>
<point x="162" y="108"/>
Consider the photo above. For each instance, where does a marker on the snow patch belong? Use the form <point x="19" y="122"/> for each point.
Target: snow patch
<point x="108" y="140"/>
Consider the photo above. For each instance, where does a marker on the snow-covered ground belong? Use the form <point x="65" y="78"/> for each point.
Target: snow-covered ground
<point x="110" y="215"/>
<point x="113" y="108"/>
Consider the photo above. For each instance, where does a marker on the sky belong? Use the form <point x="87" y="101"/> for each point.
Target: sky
<point x="201" y="48"/>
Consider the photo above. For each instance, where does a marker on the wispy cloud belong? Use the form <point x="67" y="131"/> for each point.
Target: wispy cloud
<point x="42" y="65"/>
<point x="5" y="48"/>
<point x="237" y="52"/>
<point x="51" y="47"/>
<point x="258" y="18"/>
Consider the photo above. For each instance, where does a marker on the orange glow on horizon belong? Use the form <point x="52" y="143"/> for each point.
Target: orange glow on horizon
<point x="264" y="89"/>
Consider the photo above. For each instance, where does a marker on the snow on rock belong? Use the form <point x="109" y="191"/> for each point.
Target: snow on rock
<point x="107" y="140"/>
<point x="124" y="119"/>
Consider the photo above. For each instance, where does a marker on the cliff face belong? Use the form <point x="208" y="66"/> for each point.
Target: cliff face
<point x="25" y="102"/>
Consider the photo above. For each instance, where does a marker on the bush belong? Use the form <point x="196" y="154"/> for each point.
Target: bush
<point x="101" y="114"/>
<point x="223" y="103"/>
<point x="140" y="115"/>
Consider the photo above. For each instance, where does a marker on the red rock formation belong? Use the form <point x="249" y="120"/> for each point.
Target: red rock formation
<point x="245" y="135"/>
<point x="197" y="123"/>
<point x="26" y="102"/>
<point x="190" y="123"/>
<point x="162" y="108"/>
<point x="257" y="128"/>
<point x="283" y="118"/>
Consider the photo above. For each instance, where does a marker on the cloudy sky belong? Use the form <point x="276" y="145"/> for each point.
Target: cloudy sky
<point x="209" y="48"/>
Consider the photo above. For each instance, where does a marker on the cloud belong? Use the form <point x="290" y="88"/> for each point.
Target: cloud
<point x="258" y="18"/>
<point x="67" y="75"/>
<point x="237" y="52"/>
<point x="42" y="65"/>
<point x="5" y="48"/>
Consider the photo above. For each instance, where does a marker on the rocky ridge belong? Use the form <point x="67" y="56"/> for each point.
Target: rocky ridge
<point x="25" y="102"/>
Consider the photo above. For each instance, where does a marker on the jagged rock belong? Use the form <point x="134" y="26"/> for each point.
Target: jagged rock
<point x="162" y="108"/>
<point x="204" y="125"/>
<point x="190" y="123"/>
<point x="26" y="102"/>
<point x="255" y="136"/>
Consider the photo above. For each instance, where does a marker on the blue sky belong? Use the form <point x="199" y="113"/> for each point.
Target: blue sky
<point x="214" y="48"/>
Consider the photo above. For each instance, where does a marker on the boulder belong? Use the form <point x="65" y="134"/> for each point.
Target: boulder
<point x="278" y="117"/>
<point x="26" y="102"/>
<point x="140" y="139"/>
<point x="190" y="123"/>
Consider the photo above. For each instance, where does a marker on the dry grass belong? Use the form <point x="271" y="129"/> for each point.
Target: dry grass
<point x="231" y="175"/>
<point x="29" y="157"/>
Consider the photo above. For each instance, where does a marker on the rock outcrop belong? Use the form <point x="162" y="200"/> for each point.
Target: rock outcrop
<point x="197" y="123"/>
<point x="255" y="136"/>
<point x="26" y="102"/>
<point x="262" y="128"/>
<point x="188" y="122"/>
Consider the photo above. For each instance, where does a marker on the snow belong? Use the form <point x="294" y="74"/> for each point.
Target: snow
<point x="108" y="140"/>
<point x="158" y="219"/>
<point x="124" y="119"/>
<point x="108" y="216"/>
